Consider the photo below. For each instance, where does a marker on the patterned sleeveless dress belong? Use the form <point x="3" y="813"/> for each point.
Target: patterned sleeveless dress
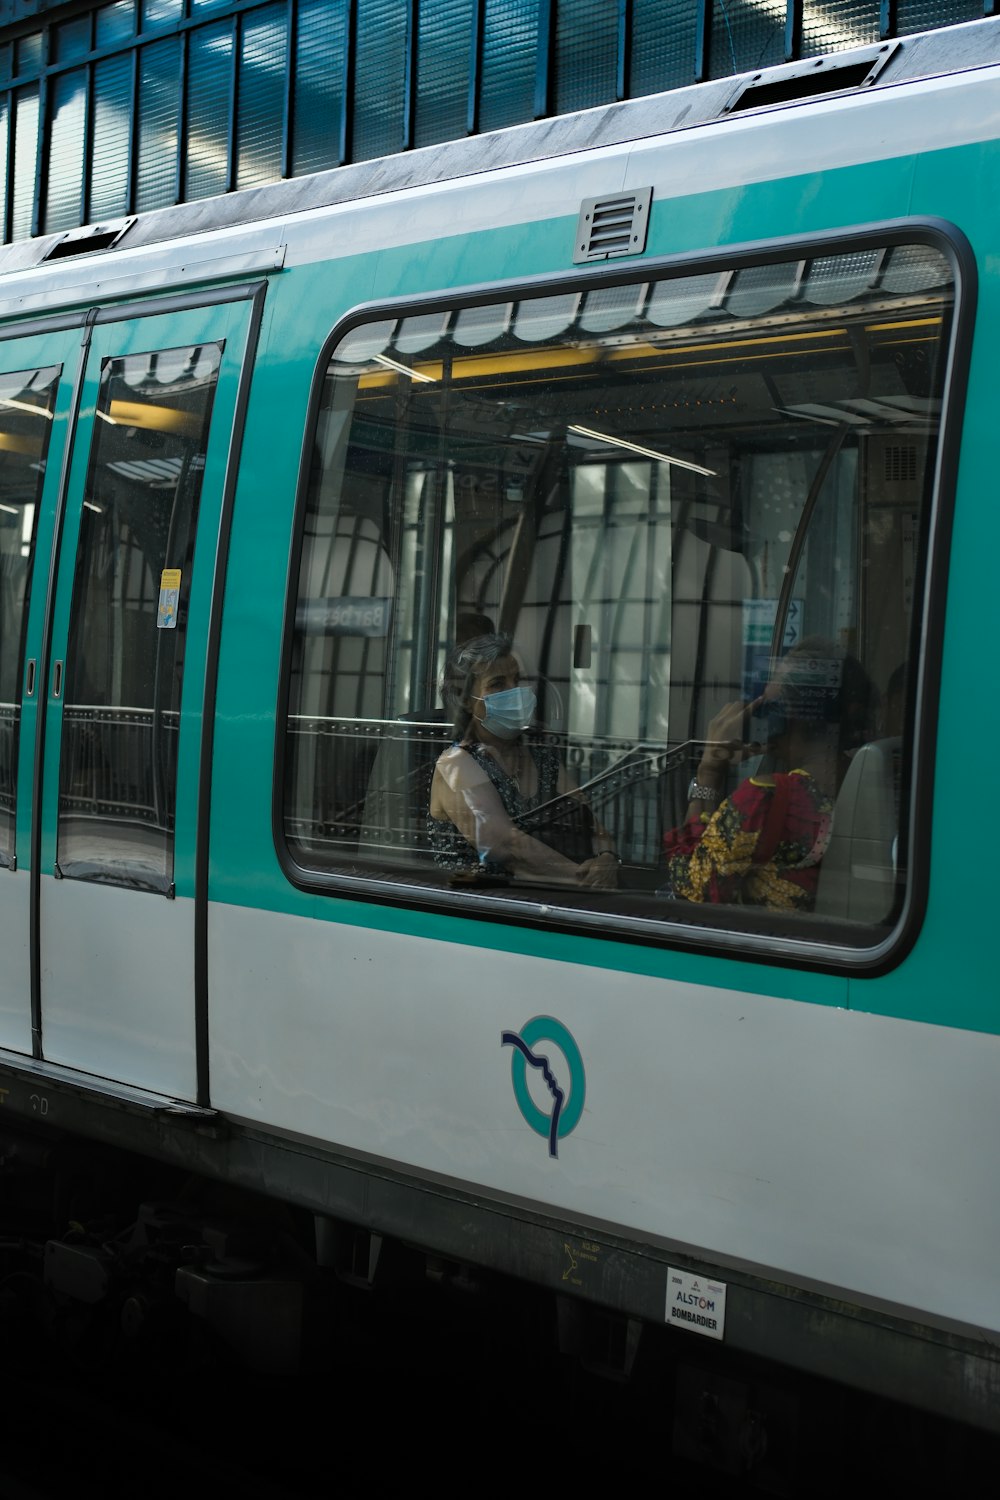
<point x="452" y="850"/>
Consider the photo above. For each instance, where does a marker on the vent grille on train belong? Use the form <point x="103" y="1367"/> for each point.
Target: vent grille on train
<point x="900" y="463"/>
<point x="92" y="237"/>
<point x="613" y="226"/>
<point x="811" y="79"/>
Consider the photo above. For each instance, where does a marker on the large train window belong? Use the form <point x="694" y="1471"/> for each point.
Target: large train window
<point x="118" y="769"/>
<point x="27" y="399"/>
<point x="609" y="598"/>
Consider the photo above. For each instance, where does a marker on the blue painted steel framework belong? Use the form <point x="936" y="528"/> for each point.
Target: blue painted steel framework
<point x="139" y="104"/>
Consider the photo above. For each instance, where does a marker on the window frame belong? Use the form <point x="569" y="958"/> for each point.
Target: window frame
<point x="798" y="941"/>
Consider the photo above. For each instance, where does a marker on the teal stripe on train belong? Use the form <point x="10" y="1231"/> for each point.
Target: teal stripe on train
<point x="950" y="976"/>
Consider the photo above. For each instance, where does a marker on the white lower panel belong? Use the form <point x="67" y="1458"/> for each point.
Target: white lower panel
<point x="843" y="1148"/>
<point x="15" y="969"/>
<point x="118" y="984"/>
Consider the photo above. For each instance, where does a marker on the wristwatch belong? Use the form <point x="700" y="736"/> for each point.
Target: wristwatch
<point x="698" y="793"/>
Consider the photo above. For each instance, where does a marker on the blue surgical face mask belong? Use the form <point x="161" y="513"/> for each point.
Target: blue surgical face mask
<point x="510" y="712"/>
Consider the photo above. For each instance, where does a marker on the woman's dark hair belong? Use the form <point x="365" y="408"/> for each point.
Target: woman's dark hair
<point x="824" y="688"/>
<point x="463" y="664"/>
<point x="471" y="623"/>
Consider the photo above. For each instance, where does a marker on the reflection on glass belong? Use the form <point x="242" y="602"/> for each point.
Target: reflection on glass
<point x="64" y="199"/>
<point x="128" y="620"/>
<point x="658" y="492"/>
<point x="27" y="400"/>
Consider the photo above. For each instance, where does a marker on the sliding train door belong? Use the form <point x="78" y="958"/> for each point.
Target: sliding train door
<point x="36" y="389"/>
<point x="124" y="694"/>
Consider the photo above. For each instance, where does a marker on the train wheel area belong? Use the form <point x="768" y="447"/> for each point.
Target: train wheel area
<point x="165" y="1325"/>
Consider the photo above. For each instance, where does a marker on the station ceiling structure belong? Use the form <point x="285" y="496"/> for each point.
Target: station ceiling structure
<point x="112" y="109"/>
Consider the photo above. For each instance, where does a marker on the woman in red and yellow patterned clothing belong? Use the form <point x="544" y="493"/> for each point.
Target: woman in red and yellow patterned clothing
<point x="763" y="844"/>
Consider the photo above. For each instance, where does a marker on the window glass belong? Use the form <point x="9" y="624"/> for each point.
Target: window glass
<point x="443" y="45"/>
<point x="856" y="24"/>
<point x="210" y="90"/>
<point x="159" y="97"/>
<point x="25" y="123"/>
<point x="64" y="199"/>
<point x="566" y="555"/>
<point x="321" y="43"/>
<point x="160" y="13"/>
<point x="747" y="34"/>
<point x="115" y="22"/>
<point x="28" y="54"/>
<point x="510" y="42"/>
<point x="71" y="39"/>
<point x="4" y="146"/>
<point x="128" y="618"/>
<point x="663" y="45"/>
<point x="586" y="46"/>
<point x="260" y="95"/>
<point x="379" y="78"/>
<point x="27" y="399"/>
<point x="922" y="15"/>
<point x="110" y="149"/>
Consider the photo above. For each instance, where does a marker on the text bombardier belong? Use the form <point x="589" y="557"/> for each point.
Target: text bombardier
<point x="685" y="1316"/>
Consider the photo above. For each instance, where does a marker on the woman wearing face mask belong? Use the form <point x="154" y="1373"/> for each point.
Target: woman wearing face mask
<point x="501" y="805"/>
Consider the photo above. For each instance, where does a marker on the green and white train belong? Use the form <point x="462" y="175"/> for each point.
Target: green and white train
<point x="658" y="389"/>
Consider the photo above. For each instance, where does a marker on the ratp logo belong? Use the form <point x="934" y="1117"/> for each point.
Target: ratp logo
<point x="564" y="1079"/>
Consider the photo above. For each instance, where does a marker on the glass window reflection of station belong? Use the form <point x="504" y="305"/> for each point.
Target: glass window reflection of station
<point x="27" y="402"/>
<point x="657" y="489"/>
<point x="128" y="623"/>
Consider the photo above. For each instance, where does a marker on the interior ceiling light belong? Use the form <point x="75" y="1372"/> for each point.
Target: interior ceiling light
<point x="36" y="411"/>
<point x="12" y="442"/>
<point x="394" y="364"/>
<point x="157" y="473"/>
<point x="617" y="442"/>
<point x="155" y="418"/>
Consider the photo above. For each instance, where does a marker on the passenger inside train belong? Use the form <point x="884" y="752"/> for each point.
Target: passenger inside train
<point x="656" y="489"/>
<point x="501" y="804"/>
<point x="764" y="843"/>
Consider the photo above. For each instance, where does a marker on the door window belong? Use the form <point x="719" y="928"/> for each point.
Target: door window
<point x="27" y="401"/>
<point x="125" y="660"/>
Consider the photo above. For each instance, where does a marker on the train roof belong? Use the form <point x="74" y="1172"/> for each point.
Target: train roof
<point x="97" y="261"/>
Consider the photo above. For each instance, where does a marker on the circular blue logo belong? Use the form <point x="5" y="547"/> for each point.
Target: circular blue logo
<point x="568" y="1095"/>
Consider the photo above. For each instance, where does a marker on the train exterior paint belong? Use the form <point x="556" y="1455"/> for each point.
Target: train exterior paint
<point x="803" y="1113"/>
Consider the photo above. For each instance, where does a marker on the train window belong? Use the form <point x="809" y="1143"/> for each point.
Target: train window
<point x="607" y="599"/>
<point x="27" y="399"/>
<point x="128" y="620"/>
